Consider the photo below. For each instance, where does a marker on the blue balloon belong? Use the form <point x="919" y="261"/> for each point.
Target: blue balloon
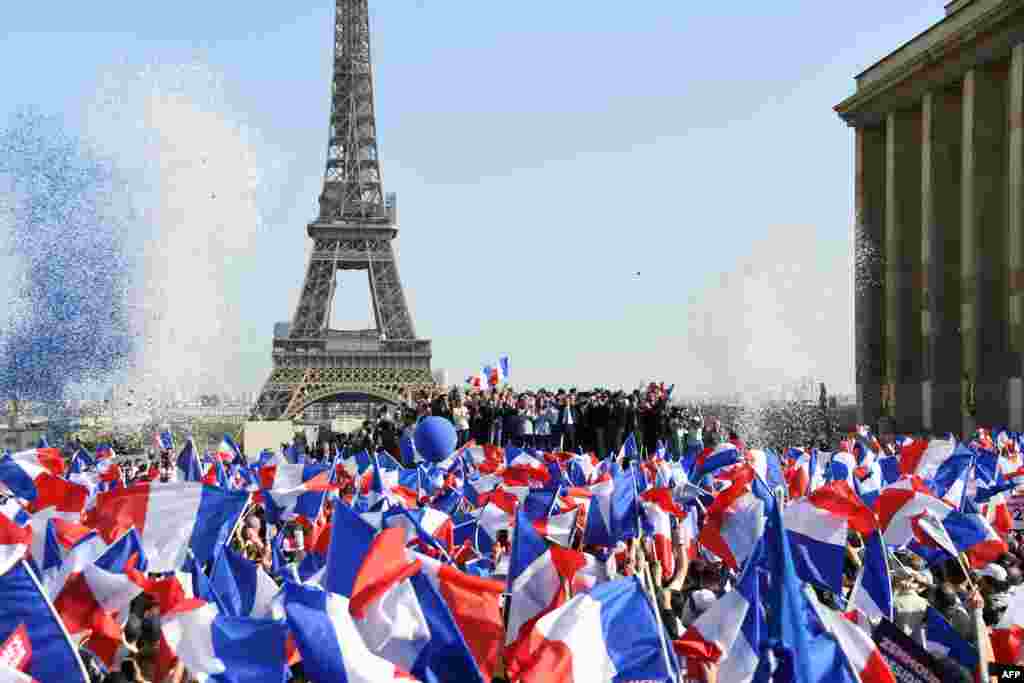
<point x="435" y="438"/>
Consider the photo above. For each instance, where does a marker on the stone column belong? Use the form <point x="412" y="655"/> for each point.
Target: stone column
<point x="985" y="303"/>
<point x="903" y="204"/>
<point x="869" y="200"/>
<point x="940" y="255"/>
<point x="1015" y="240"/>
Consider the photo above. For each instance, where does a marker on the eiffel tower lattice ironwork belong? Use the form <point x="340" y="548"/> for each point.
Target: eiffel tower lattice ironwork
<point x="354" y="231"/>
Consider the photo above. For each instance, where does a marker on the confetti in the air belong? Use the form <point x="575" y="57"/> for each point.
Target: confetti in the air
<point x="67" y="307"/>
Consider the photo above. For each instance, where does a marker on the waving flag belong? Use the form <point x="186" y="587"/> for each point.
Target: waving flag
<point x="28" y="610"/>
<point x="163" y="441"/>
<point x="857" y="647"/>
<point x="399" y="614"/>
<point x="15" y="654"/>
<point x="943" y="640"/>
<point x="228" y="450"/>
<point x="535" y="577"/>
<point x="872" y="591"/>
<point x="331" y="645"/>
<point x="305" y="500"/>
<point x="614" y="511"/>
<point x="906" y="508"/>
<point x="94" y="602"/>
<point x="27" y="478"/>
<point x="658" y="510"/>
<point x="710" y="462"/>
<point x="188" y="465"/>
<point x="736" y="520"/>
<point x="15" y="534"/>
<point x="730" y="631"/>
<point x="81" y="461"/>
<point x="498" y="373"/>
<point x="818" y="526"/>
<point x="610" y="634"/>
<point x="241" y="588"/>
<point x="209" y="643"/>
<point x="801" y="651"/>
<point x="475" y="607"/>
<point x="170" y="519"/>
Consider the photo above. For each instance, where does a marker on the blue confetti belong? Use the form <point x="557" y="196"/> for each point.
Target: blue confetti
<point x="69" y="316"/>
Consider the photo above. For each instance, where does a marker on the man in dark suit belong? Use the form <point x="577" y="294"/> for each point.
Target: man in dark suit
<point x="568" y="419"/>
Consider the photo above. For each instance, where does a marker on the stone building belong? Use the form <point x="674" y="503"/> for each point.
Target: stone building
<point x="939" y="274"/>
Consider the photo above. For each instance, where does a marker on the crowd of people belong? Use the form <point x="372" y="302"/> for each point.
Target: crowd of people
<point x="699" y="527"/>
<point x="596" y="421"/>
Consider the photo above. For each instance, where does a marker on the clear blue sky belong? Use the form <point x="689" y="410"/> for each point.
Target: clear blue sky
<point x="543" y="154"/>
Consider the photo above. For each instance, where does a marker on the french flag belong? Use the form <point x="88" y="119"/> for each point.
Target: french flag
<point x="61" y="500"/>
<point x="818" y="526"/>
<point x="81" y="461"/>
<point x="170" y="519"/>
<point x="498" y="373"/>
<point x="189" y="467"/>
<point x="591" y="574"/>
<point x="943" y="640"/>
<point x="923" y="458"/>
<point x="15" y="654"/>
<point x="400" y="615"/>
<point x="15" y="534"/>
<point x="241" y="588"/>
<point x="28" y="477"/>
<point x="857" y="646"/>
<point x="331" y="645"/>
<point x="559" y="527"/>
<point x="729" y="632"/>
<point x="905" y="508"/>
<point x="287" y="476"/>
<point x="535" y="577"/>
<point x="228" y="450"/>
<point x="477" y="381"/>
<point x="166" y="440"/>
<point x="800" y="474"/>
<point x="94" y="602"/>
<point x="872" y="591"/>
<point x="497" y="515"/>
<point x="609" y="634"/>
<point x="432" y="527"/>
<point x="711" y="461"/>
<point x="614" y="513"/>
<point x="842" y="467"/>
<point x="658" y="509"/>
<point x="49" y="459"/>
<point x="736" y="520"/>
<point x="305" y="500"/>
<point x="28" y="611"/>
<point x="68" y="549"/>
<point x="222" y="647"/>
<point x="475" y="605"/>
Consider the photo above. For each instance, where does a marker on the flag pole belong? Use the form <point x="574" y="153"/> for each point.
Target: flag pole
<point x="648" y="584"/>
<point x="60" y="622"/>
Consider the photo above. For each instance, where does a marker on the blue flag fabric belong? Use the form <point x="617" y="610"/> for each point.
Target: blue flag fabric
<point x="803" y="651"/>
<point x="233" y="580"/>
<point x="53" y="656"/>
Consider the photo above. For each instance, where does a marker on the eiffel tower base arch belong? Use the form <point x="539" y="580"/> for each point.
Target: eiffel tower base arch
<point x="289" y="391"/>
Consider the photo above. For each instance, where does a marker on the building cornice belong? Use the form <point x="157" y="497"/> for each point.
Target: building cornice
<point x="973" y="35"/>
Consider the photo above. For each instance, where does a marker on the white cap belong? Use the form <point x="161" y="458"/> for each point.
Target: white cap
<point x="994" y="571"/>
<point x="703" y="599"/>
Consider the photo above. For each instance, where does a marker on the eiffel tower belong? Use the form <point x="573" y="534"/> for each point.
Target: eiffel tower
<point x="354" y="231"/>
